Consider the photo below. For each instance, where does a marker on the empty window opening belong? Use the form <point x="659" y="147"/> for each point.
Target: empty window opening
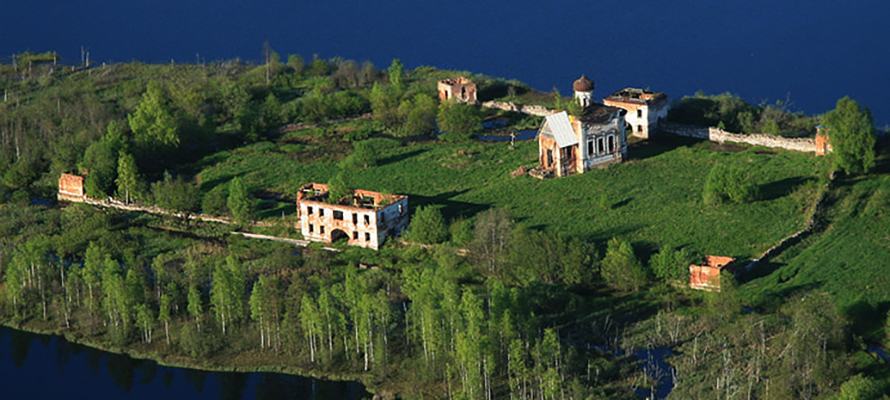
<point x="600" y="146"/>
<point x="311" y="228"/>
<point x="309" y="210"/>
<point x="639" y="128"/>
<point x="549" y="157"/>
<point x="367" y="219"/>
<point x="355" y="218"/>
<point x="611" y="143"/>
<point x="367" y="236"/>
<point x="355" y="235"/>
<point x="590" y="147"/>
<point x="321" y="229"/>
<point x="321" y="212"/>
<point x="640" y="113"/>
<point x="338" y="215"/>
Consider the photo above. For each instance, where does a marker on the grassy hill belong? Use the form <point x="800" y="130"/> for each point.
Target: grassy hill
<point x="653" y="200"/>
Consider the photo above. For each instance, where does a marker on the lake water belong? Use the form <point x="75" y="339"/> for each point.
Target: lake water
<point x="804" y="53"/>
<point x="46" y="367"/>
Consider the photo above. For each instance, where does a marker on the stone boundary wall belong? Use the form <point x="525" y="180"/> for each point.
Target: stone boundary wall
<point x="538" y="111"/>
<point x="807" y="145"/>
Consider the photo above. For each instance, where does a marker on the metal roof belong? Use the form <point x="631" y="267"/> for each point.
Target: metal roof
<point x="562" y="130"/>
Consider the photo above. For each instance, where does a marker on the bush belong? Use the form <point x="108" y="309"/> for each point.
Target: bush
<point x="366" y="152"/>
<point x="459" y="119"/>
<point x="620" y="268"/>
<point x="672" y="265"/>
<point x="729" y="184"/>
<point x="427" y="226"/>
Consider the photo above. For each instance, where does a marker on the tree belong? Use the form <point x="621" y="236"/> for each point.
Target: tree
<point x="176" y="195"/>
<point x="620" y="267"/>
<point x="852" y="135"/>
<point x="164" y="315"/>
<point x="491" y="239"/>
<point x="419" y="114"/>
<point x="128" y="179"/>
<point x="100" y="161"/>
<point x="427" y="226"/>
<point x="153" y="124"/>
<point x="861" y="387"/>
<point x="672" y="265"/>
<point x="240" y="202"/>
<point x="460" y="120"/>
<point x="337" y="189"/>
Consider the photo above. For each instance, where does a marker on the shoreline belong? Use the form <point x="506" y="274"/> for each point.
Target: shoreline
<point x="185" y="362"/>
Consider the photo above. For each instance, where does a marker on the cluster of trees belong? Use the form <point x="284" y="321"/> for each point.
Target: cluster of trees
<point x="733" y="114"/>
<point x="476" y="341"/>
<point x="520" y="255"/>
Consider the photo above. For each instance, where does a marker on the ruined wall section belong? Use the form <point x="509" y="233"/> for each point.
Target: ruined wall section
<point x="807" y="145"/>
<point x="71" y="188"/>
<point x="538" y="111"/>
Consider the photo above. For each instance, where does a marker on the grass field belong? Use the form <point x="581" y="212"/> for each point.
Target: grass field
<point x="654" y="199"/>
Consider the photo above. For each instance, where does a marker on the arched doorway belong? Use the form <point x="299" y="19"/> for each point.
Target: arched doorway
<point x="339" y="236"/>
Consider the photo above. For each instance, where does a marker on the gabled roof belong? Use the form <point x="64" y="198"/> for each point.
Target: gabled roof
<point x="562" y="130"/>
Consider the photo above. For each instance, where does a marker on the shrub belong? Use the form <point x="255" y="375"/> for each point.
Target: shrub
<point x="672" y="265"/>
<point x="427" y="226"/>
<point x="620" y="268"/>
<point x="729" y="184"/>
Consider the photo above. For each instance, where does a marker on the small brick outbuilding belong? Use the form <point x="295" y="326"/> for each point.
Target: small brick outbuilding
<point x="71" y="188"/>
<point x="707" y="275"/>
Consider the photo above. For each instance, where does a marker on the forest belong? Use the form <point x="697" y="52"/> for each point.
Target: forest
<point x="502" y="287"/>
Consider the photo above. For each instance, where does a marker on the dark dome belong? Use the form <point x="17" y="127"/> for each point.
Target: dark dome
<point x="583" y="84"/>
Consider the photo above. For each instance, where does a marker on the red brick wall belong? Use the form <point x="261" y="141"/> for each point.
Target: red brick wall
<point x="71" y="185"/>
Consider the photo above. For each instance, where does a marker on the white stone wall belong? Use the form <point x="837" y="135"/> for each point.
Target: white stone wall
<point x="720" y="136"/>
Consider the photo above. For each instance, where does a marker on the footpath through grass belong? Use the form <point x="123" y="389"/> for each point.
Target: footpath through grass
<point x="654" y="199"/>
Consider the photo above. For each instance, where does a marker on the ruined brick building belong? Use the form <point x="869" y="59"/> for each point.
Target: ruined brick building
<point x="707" y="275"/>
<point x="457" y="89"/>
<point x="570" y="144"/>
<point x="645" y="110"/>
<point x="364" y="218"/>
<point x="71" y="188"/>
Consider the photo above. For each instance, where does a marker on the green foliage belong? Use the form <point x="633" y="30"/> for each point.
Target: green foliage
<point x="153" y="124"/>
<point x="427" y="226"/>
<point x="463" y="120"/>
<point x="338" y="189"/>
<point x="672" y="265"/>
<point x="851" y="133"/>
<point x="620" y="267"/>
<point x="729" y="112"/>
<point x="129" y="182"/>
<point x="491" y="239"/>
<point x="547" y="257"/>
<point x="240" y="202"/>
<point x="860" y="387"/>
<point x="176" y="195"/>
<point x="728" y="183"/>
<point x="419" y="115"/>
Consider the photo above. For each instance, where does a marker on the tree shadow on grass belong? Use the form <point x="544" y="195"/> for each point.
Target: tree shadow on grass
<point x="760" y="270"/>
<point x="659" y="144"/>
<point x="450" y="209"/>
<point x="399" y="157"/>
<point x="781" y="188"/>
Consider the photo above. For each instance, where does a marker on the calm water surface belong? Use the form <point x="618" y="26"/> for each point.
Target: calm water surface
<point x="47" y="367"/>
<point x="804" y="53"/>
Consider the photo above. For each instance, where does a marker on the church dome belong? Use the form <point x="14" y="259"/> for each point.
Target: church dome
<point x="583" y="84"/>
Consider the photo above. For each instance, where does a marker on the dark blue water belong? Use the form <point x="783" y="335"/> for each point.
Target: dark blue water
<point x="805" y="53"/>
<point x="46" y="367"/>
